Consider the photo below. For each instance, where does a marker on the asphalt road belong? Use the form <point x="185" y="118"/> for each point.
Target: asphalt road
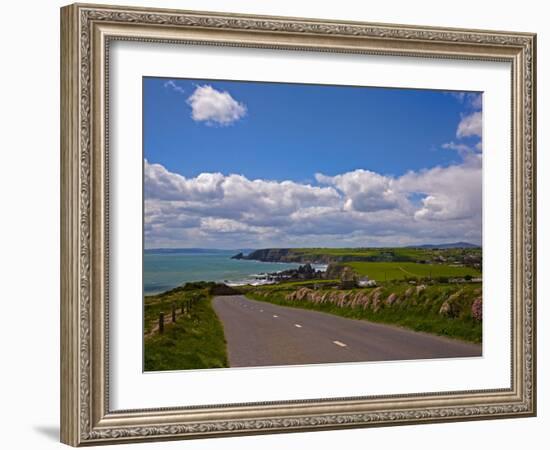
<point x="263" y="334"/>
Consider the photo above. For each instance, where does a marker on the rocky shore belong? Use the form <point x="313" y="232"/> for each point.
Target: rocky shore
<point x="305" y="272"/>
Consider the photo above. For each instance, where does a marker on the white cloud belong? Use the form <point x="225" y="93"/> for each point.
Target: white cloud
<point x="476" y="101"/>
<point x="464" y="150"/>
<point x="473" y="100"/>
<point x="364" y="190"/>
<point x="215" y="107"/>
<point x="452" y="193"/>
<point x="226" y="226"/>
<point x="354" y="208"/>
<point x="162" y="184"/>
<point x="171" y="84"/>
<point x="470" y="125"/>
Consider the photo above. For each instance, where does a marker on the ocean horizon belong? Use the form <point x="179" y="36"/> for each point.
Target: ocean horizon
<point x="164" y="270"/>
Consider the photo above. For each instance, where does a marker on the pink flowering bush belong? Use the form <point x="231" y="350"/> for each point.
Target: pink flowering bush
<point x="477" y="309"/>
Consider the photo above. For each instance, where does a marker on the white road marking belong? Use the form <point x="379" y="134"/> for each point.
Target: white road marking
<point x="261" y="310"/>
<point x="341" y="344"/>
<point x="297" y="325"/>
<point x="275" y="315"/>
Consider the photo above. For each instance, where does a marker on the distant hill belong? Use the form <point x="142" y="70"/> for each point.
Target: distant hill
<point x="458" y="252"/>
<point x="449" y="245"/>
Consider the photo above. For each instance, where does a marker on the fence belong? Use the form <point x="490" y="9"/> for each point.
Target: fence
<point x="183" y="309"/>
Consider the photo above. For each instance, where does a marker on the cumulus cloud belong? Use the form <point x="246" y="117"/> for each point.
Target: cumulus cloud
<point x="359" y="207"/>
<point x="451" y="193"/>
<point x="471" y="120"/>
<point x="470" y="125"/>
<point x="215" y="107"/>
<point x="364" y="190"/>
<point x="162" y="184"/>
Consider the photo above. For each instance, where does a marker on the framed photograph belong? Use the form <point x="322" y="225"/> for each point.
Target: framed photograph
<point x="277" y="224"/>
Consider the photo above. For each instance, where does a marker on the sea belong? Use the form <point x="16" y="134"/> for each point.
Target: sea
<point x="164" y="270"/>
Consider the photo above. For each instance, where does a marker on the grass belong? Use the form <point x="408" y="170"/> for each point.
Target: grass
<point x="387" y="271"/>
<point x="419" y="312"/>
<point x="335" y="251"/>
<point x="194" y="342"/>
<point x="387" y="253"/>
<point x="298" y="284"/>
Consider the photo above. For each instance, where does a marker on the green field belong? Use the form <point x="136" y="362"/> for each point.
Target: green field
<point x="413" y="290"/>
<point x="335" y="251"/>
<point x="404" y="254"/>
<point x="195" y="341"/>
<point x="410" y="308"/>
<point x="387" y="271"/>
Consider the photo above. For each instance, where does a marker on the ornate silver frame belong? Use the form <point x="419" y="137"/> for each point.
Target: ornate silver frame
<point x="86" y="31"/>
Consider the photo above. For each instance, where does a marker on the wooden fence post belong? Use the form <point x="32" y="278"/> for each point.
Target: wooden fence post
<point x="161" y="323"/>
<point x="173" y="313"/>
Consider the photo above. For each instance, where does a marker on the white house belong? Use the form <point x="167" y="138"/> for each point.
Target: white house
<point x="365" y="282"/>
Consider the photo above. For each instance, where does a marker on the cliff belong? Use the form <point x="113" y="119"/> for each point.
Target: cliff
<point x="291" y="255"/>
<point x="271" y="255"/>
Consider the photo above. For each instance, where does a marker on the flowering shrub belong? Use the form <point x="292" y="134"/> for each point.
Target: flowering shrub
<point x="477" y="309"/>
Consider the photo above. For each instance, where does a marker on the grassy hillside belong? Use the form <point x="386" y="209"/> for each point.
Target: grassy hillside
<point x="402" y="270"/>
<point x="444" y="309"/>
<point x="431" y="303"/>
<point x="195" y="341"/>
<point x="468" y="257"/>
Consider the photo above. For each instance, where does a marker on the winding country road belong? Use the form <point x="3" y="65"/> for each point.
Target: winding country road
<point x="264" y="334"/>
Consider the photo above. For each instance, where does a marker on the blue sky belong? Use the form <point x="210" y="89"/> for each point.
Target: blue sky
<point x="292" y="131"/>
<point x="353" y="154"/>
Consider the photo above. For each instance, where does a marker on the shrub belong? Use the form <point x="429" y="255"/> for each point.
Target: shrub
<point x="223" y="289"/>
<point x="477" y="309"/>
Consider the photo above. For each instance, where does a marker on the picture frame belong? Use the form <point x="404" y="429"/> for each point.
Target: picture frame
<point x="87" y="32"/>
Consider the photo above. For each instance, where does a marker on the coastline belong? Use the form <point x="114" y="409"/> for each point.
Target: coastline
<point x="164" y="271"/>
